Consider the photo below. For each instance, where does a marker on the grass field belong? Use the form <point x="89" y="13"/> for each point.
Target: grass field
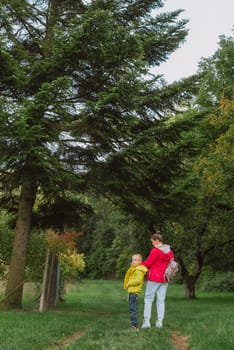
<point x="95" y="316"/>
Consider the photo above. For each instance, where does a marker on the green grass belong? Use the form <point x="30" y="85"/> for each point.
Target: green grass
<point x="99" y="310"/>
<point x="208" y="320"/>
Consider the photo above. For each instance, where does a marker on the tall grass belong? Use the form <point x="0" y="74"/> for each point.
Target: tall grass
<point x="98" y="310"/>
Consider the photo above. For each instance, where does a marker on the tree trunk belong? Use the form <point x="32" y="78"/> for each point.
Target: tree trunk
<point x="190" y="280"/>
<point x="14" y="288"/>
<point x="190" y="288"/>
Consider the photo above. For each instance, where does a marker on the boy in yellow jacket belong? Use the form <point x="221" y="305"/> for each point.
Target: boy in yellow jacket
<point x="133" y="282"/>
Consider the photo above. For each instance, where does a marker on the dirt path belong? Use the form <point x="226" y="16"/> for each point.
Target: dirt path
<point x="180" y="341"/>
<point x="73" y="337"/>
<point x="69" y="339"/>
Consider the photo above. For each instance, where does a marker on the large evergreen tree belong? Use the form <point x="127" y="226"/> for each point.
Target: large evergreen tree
<point x="72" y="80"/>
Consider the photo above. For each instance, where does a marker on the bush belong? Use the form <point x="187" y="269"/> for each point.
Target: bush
<point x="3" y="269"/>
<point x="123" y="262"/>
<point x="35" y="256"/>
<point x="6" y="237"/>
<point x="217" y="282"/>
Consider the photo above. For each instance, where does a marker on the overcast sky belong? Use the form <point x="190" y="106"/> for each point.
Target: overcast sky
<point x="208" y="19"/>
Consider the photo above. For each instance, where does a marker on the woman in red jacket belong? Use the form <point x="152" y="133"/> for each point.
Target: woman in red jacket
<point x="156" y="262"/>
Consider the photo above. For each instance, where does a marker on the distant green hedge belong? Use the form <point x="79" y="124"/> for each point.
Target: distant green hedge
<point x="217" y="282"/>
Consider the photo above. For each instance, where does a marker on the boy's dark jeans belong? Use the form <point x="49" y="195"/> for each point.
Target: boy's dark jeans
<point x="133" y="308"/>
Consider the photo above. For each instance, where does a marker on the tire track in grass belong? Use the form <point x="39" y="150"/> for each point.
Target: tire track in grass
<point x="179" y="341"/>
<point x="76" y="335"/>
<point x="70" y="339"/>
<point x="65" y="342"/>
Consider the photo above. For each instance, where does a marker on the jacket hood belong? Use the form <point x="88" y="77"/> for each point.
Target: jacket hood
<point x="165" y="251"/>
<point x="165" y="248"/>
<point x="142" y="268"/>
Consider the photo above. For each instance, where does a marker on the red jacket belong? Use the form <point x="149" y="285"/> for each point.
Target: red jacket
<point x="157" y="262"/>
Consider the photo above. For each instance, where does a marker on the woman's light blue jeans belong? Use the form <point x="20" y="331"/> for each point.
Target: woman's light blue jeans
<point x="152" y="289"/>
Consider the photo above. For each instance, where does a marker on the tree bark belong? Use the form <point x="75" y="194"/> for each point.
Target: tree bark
<point x="190" y="279"/>
<point x="14" y="288"/>
<point x="189" y="290"/>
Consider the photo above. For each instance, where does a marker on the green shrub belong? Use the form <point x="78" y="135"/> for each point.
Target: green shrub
<point x="3" y="269"/>
<point x="217" y="282"/>
<point x="35" y="256"/>
<point x="123" y="262"/>
<point x="6" y="236"/>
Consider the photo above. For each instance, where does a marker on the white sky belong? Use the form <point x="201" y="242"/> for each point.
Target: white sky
<point x="208" y="19"/>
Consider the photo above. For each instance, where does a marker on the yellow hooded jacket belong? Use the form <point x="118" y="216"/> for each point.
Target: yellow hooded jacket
<point x="134" y="278"/>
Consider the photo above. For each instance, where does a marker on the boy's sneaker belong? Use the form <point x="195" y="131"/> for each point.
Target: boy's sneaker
<point x="158" y="324"/>
<point x="146" y="324"/>
<point x="134" y="328"/>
